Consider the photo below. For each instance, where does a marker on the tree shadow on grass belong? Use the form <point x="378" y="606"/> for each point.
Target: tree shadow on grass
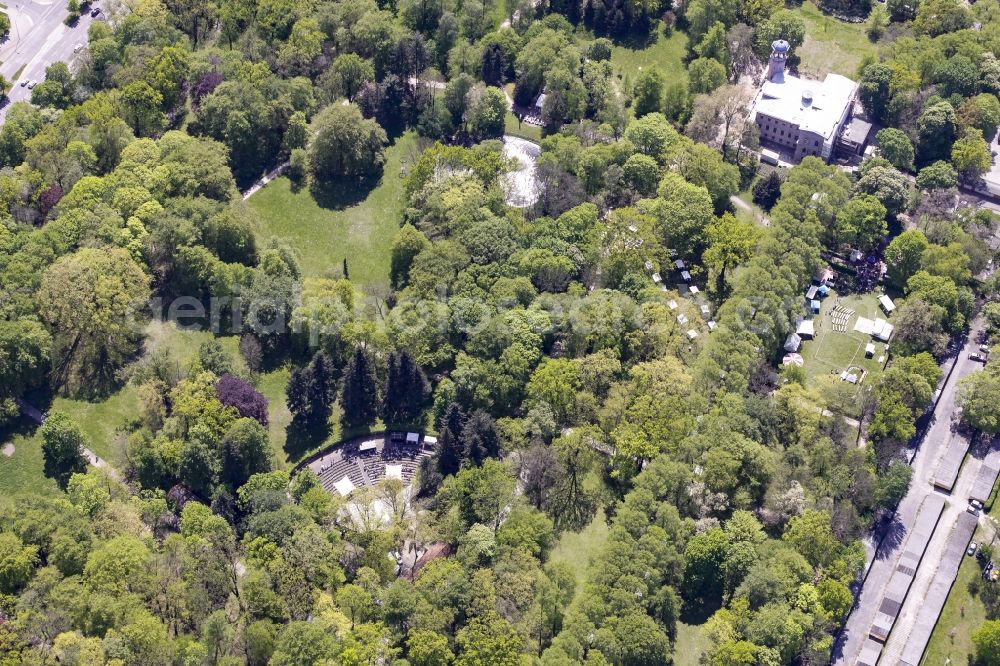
<point x="22" y="426"/>
<point x="301" y="437"/>
<point x="699" y="612"/>
<point x="638" y="39"/>
<point x="341" y="194"/>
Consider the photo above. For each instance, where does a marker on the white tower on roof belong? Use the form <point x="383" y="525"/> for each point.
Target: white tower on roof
<point x="776" y="63"/>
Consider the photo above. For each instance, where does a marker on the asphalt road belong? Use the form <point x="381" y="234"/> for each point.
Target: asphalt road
<point x="932" y="445"/>
<point x="38" y="37"/>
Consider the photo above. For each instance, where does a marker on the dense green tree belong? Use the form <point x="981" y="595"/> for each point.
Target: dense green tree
<point x="705" y="75"/>
<point x="936" y="131"/>
<point x="407" y="390"/>
<point x="648" y="91"/>
<point x="986" y="641"/>
<point x="58" y="90"/>
<point x="428" y="648"/>
<point x="938" y="175"/>
<point x="345" y="145"/>
<point x="861" y="222"/>
<point x="245" y="451"/>
<point x="896" y="147"/>
<point x="93" y="300"/>
<point x="480" y="436"/>
<point x="981" y="112"/>
<point x="886" y="184"/>
<point x="486" y="110"/>
<point x="359" y="396"/>
<point x="303" y="644"/>
<point x="874" y="90"/>
<point x="782" y="24"/>
<point x="62" y="448"/>
<point x="936" y="17"/>
<point x="971" y="156"/>
<point x="978" y="396"/>
<point x="903" y="256"/>
<point x="450" y="451"/>
<point x="17" y="563"/>
<point x="893" y="485"/>
<point x="703" y="560"/>
<point x="811" y="534"/>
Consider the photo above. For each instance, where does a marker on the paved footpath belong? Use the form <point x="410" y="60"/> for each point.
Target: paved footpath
<point x="38" y="417"/>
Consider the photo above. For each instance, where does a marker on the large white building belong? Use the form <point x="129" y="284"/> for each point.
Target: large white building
<point x="805" y="117"/>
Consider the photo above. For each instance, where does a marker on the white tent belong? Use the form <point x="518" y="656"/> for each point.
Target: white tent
<point x="394" y="472"/>
<point x="679" y="264"/>
<point x="692" y="334"/>
<point x="864" y="325"/>
<point x="412" y="437"/>
<point x="886" y="304"/>
<point x="869" y="350"/>
<point x="345" y="487"/>
<point x="792" y="342"/>
<point x="693" y="289"/>
<point x="806" y="329"/>
<point x="685" y="276"/>
<point x="672" y="304"/>
<point x="811" y="292"/>
<point x="882" y="330"/>
<point x="682" y="318"/>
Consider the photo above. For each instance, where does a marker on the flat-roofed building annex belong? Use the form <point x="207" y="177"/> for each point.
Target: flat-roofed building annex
<point x="802" y="116"/>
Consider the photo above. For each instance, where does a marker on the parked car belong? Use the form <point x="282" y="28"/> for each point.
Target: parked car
<point x="976" y="503"/>
<point x="32" y="83"/>
<point x="973" y="510"/>
<point x="95" y="11"/>
<point x="984" y="349"/>
<point x="976" y="356"/>
<point x="971" y="550"/>
<point x="24" y="83"/>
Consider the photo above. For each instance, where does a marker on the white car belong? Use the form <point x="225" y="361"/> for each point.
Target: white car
<point x="971" y="550"/>
<point x="31" y="84"/>
<point x="77" y="48"/>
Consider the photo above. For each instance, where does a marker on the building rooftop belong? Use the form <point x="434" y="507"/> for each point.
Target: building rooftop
<point x="815" y="106"/>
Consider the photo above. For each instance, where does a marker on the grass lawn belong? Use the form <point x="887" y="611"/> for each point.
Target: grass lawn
<point x="832" y="352"/>
<point x="751" y="212"/>
<point x="361" y="232"/>
<point x="943" y="648"/>
<point x="577" y="549"/>
<point x="272" y="386"/>
<point x="523" y="130"/>
<point x="102" y="420"/>
<point x="690" y="643"/>
<point x="667" y="53"/>
<point x="21" y="473"/>
<point x="831" y="45"/>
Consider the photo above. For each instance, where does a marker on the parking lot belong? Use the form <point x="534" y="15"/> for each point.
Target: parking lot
<point x="38" y="37"/>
